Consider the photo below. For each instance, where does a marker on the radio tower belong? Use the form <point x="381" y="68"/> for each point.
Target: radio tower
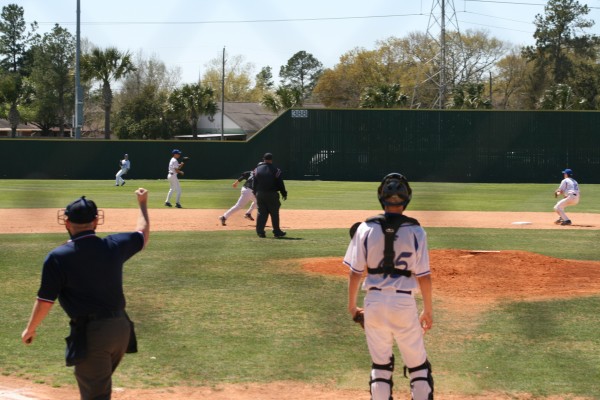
<point x="435" y="73"/>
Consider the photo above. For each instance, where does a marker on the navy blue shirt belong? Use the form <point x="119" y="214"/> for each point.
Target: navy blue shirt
<point x="268" y="178"/>
<point x="86" y="273"/>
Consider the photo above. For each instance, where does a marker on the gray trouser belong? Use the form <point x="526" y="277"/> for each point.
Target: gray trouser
<point x="107" y="341"/>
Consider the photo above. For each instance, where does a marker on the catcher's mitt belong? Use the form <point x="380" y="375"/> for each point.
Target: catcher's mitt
<point x="359" y="318"/>
<point x="353" y="229"/>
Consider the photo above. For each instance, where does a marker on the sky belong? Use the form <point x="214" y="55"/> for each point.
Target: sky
<point x="188" y="34"/>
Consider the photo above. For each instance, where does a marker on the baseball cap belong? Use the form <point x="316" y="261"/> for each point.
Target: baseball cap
<point x="176" y="151"/>
<point x="568" y="171"/>
<point x="81" y="211"/>
<point x="268" y="156"/>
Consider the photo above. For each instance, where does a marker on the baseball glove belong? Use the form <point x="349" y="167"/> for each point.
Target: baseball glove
<point x="359" y="318"/>
<point x="353" y="229"/>
<point x="556" y="194"/>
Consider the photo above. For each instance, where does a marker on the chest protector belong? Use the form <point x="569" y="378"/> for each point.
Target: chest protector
<point x="390" y="226"/>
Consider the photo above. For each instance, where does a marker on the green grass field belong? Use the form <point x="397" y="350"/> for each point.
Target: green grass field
<point x="224" y="307"/>
<point x="303" y="195"/>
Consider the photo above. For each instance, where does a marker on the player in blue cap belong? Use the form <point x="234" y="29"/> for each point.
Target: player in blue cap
<point x="569" y="190"/>
<point x="174" y="169"/>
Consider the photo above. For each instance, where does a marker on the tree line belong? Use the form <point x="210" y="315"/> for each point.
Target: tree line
<point x="560" y="72"/>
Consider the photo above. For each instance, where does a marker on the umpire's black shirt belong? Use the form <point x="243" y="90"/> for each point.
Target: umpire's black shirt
<point x="267" y="178"/>
<point x="86" y="273"/>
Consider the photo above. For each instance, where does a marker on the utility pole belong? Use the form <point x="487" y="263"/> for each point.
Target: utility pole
<point x="442" y="93"/>
<point x="223" y="98"/>
<point x="78" y="114"/>
<point x="435" y="73"/>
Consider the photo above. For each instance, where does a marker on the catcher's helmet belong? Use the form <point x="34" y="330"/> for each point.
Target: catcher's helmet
<point x="394" y="190"/>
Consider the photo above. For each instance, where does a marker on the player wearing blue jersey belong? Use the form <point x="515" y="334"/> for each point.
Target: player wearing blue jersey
<point x="569" y="190"/>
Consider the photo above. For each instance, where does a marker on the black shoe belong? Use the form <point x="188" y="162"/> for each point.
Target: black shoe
<point x="248" y="216"/>
<point x="123" y="184"/>
<point x="261" y="235"/>
<point x="168" y="204"/>
<point x="566" y="222"/>
<point x="222" y="219"/>
<point x="177" y="205"/>
<point x="558" y="221"/>
<point x="279" y="234"/>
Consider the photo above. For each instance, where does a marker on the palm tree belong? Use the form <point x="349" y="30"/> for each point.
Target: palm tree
<point x="193" y="100"/>
<point x="106" y="66"/>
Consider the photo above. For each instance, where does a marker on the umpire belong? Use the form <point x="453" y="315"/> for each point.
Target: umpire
<point x="268" y="183"/>
<point x="86" y="275"/>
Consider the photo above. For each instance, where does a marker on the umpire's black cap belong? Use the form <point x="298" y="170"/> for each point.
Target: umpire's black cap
<point x="81" y="211"/>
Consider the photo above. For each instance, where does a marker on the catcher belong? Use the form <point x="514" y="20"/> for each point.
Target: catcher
<point x="393" y="250"/>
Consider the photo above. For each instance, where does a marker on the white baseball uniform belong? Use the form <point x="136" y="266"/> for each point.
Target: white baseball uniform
<point x="246" y="195"/>
<point x="125" y="167"/>
<point x="173" y="180"/>
<point x="569" y="188"/>
<point x="390" y="309"/>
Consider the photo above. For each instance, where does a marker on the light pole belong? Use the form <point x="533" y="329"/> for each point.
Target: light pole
<point x="78" y="90"/>
<point x="223" y="98"/>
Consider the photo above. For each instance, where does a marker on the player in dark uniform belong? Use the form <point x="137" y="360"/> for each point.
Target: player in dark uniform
<point x="268" y="183"/>
<point x="86" y="275"/>
<point x="246" y="195"/>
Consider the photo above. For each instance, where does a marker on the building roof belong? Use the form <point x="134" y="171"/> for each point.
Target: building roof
<point x="5" y="126"/>
<point x="251" y="117"/>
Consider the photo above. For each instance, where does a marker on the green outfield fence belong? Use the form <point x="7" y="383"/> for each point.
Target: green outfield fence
<point x="357" y="145"/>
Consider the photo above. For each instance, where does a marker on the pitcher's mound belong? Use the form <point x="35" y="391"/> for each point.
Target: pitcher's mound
<point x="488" y="276"/>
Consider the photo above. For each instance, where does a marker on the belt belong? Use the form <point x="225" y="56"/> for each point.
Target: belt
<point x="106" y="315"/>
<point x="397" y="291"/>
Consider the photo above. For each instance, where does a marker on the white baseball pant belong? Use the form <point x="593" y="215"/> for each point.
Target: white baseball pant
<point x="390" y="317"/>
<point x="570" y="200"/>
<point x="246" y="195"/>
<point x="120" y="180"/>
<point x="175" y="187"/>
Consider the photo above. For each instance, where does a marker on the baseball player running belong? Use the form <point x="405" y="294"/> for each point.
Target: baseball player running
<point x="246" y="195"/>
<point x="569" y="189"/>
<point x="125" y="165"/>
<point x="393" y="250"/>
<point x="174" y="169"/>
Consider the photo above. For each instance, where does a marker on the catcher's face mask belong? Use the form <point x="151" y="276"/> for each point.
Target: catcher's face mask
<point x="394" y="191"/>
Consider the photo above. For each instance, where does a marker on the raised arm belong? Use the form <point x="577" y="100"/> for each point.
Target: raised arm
<point x="143" y="223"/>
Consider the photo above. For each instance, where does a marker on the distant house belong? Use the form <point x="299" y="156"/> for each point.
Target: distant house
<point x="241" y="121"/>
<point x="23" y="130"/>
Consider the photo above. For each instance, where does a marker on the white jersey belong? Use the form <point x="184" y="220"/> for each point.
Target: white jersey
<point x="366" y="250"/>
<point x="569" y="186"/>
<point x="173" y="166"/>
<point x="125" y="165"/>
